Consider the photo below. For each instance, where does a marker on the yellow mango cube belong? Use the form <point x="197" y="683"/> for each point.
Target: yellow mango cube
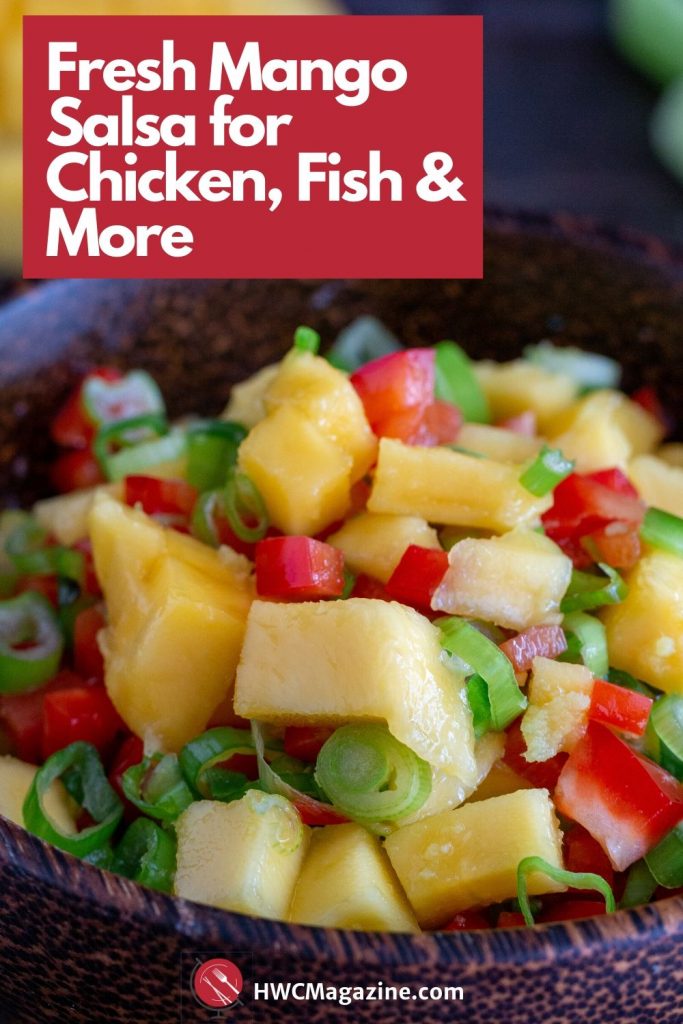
<point x="671" y="453"/>
<point x="177" y="612"/>
<point x="247" y="399"/>
<point x="500" y="781"/>
<point x="374" y="544"/>
<point x="343" y="661"/>
<point x="659" y="483"/>
<point x="468" y="857"/>
<point x="497" y="443"/>
<point x="243" y="856"/>
<point x="605" y="429"/>
<point x="304" y="478"/>
<point x="347" y="882"/>
<point x="66" y="515"/>
<point x="559" y="702"/>
<point x="326" y="397"/>
<point x="516" y="580"/>
<point x="645" y="631"/>
<point x="448" y="791"/>
<point x="452" y="489"/>
<point x="515" y="387"/>
<point x="15" y="781"/>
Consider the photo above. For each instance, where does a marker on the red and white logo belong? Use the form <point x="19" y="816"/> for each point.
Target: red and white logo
<point x="217" y="984"/>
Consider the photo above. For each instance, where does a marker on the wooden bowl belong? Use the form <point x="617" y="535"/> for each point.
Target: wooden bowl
<point x="84" y="946"/>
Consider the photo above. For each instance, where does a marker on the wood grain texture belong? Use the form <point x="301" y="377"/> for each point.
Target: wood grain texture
<point x="79" y="945"/>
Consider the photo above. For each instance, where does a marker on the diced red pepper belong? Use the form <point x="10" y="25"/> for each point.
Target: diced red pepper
<point x="45" y="585"/>
<point x="625" y="801"/>
<point x="583" y="853"/>
<point x="583" y="504"/>
<point x="623" y="709"/>
<point x="437" y="423"/>
<point x="396" y="382"/>
<point x="571" y="909"/>
<point x="71" y="427"/>
<point x="298" y="567"/>
<point x="618" y="544"/>
<point x="314" y="812"/>
<point x="467" y="921"/>
<point x="541" y="774"/>
<point x="510" y="919"/>
<point x="88" y="658"/>
<point x="535" y="642"/>
<point x="305" y="741"/>
<point x="525" y="424"/>
<point x="417" y="576"/>
<point x="130" y="752"/>
<point x="21" y="715"/>
<point x="85" y="713"/>
<point x="160" y="497"/>
<point x="615" y="480"/>
<point x="369" y="587"/>
<point x="76" y="470"/>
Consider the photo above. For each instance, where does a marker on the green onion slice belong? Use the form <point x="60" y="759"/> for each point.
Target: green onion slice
<point x="457" y="383"/>
<point x="592" y="641"/>
<point x="588" y="369"/>
<point x="640" y="886"/>
<point x="211" y="748"/>
<point x="80" y="769"/>
<point x="664" y="734"/>
<point x="464" y="640"/>
<point x="244" y="507"/>
<point x="587" y="590"/>
<point x="31" y="643"/>
<point x="147" y="854"/>
<point x="478" y="697"/>
<point x="203" y="524"/>
<point x="135" y="394"/>
<point x="365" y="339"/>
<point x="156" y="787"/>
<point x="306" y="340"/>
<point x="141" y="458"/>
<point x="370" y="775"/>
<point x="121" y="434"/>
<point x="665" y="861"/>
<point x="272" y="781"/>
<point x="548" y="469"/>
<point x="572" y="879"/>
<point x="211" y="451"/>
<point x="28" y="549"/>
<point x="663" y="530"/>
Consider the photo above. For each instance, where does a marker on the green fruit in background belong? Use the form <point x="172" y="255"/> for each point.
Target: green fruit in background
<point x="666" y="129"/>
<point x="650" y="34"/>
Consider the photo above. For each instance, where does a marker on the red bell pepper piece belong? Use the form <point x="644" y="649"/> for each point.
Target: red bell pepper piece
<point x="72" y="427"/>
<point x="535" y="642"/>
<point x="583" y="853"/>
<point x="571" y="909"/>
<point x="441" y="423"/>
<point x="76" y="470"/>
<point x="91" y="584"/>
<point x="298" y="567"/>
<point x="625" y="801"/>
<point x="314" y="812"/>
<point x="305" y="741"/>
<point x="160" y="497"/>
<point x="130" y="752"/>
<point x="617" y="544"/>
<point x="510" y="919"/>
<point x="45" y="585"/>
<point x="21" y="715"/>
<point x="369" y="587"/>
<point x="88" y="659"/>
<point x="541" y="774"/>
<point x="467" y="921"/>
<point x="417" y="576"/>
<point x="623" y="709"/>
<point x="396" y="382"/>
<point x="585" y="503"/>
<point x="85" y="713"/>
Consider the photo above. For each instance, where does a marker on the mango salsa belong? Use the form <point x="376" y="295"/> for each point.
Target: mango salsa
<point x="374" y="544"/>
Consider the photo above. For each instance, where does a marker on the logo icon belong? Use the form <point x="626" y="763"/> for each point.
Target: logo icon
<point x="217" y="984"/>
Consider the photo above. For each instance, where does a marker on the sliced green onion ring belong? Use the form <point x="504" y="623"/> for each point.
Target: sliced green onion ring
<point x="572" y="879"/>
<point x="137" y="392"/>
<point x="157" y="788"/>
<point x="28" y="620"/>
<point x="147" y="854"/>
<point x="371" y="776"/>
<point x="28" y="549"/>
<point x="125" y="434"/>
<point x="211" y="748"/>
<point x="365" y="339"/>
<point x="592" y="640"/>
<point x="306" y="340"/>
<point x="457" y="383"/>
<point x="211" y="451"/>
<point x="244" y="508"/>
<point x="665" y="861"/>
<point x="663" y="530"/>
<point x="203" y="524"/>
<point x="478" y="697"/>
<point x="664" y="734"/>
<point x="141" y="458"/>
<point x="506" y="700"/>
<point x="548" y="469"/>
<point x="587" y="591"/>
<point x="80" y="769"/>
<point x="640" y="886"/>
<point x="272" y="782"/>
<point x="588" y="369"/>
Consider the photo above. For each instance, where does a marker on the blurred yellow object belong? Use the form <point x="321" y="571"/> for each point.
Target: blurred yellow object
<point x="11" y="13"/>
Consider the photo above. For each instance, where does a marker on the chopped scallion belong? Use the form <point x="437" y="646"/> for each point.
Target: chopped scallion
<point x="548" y="469"/>
<point x="664" y="734"/>
<point x="592" y="641"/>
<point x="665" y="861"/>
<point x="640" y="886"/>
<point x="457" y="383"/>
<point x="147" y="854"/>
<point x="306" y="340"/>
<point x="663" y="530"/>
<point x="572" y="879"/>
<point x="588" y="369"/>
<point x="587" y="590"/>
<point x="157" y="788"/>
<point x="365" y="339"/>
<point x="244" y="508"/>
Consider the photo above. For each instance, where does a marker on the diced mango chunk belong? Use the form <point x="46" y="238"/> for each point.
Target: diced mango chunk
<point x="469" y="857"/>
<point x="326" y="397"/>
<point x="645" y="631"/>
<point x="66" y="515"/>
<point x="448" y="791"/>
<point x="447" y="487"/>
<point x="374" y="544"/>
<point x="304" y="478"/>
<point x="243" y="856"/>
<point x="497" y="443"/>
<point x="340" y="661"/>
<point x="516" y="580"/>
<point x="605" y="429"/>
<point x="15" y="781"/>
<point x="518" y="386"/>
<point x="177" y="612"/>
<point x="247" y="399"/>
<point x="500" y="781"/>
<point x="559" y="701"/>
<point x="671" y="453"/>
<point x="347" y="882"/>
<point x="658" y="482"/>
